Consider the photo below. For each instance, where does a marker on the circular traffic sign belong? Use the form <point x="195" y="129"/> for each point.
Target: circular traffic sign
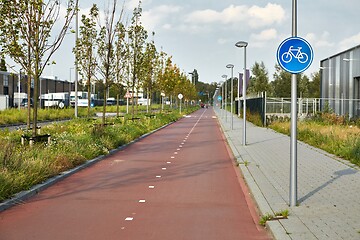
<point x="295" y="55"/>
<point x="219" y="98"/>
<point x="180" y="96"/>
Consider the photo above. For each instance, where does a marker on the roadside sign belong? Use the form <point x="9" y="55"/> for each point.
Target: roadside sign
<point x="219" y="98"/>
<point x="295" y="55"/>
<point x="127" y="95"/>
<point x="180" y="96"/>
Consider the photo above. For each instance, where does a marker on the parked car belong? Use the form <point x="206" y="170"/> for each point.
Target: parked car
<point x="110" y="101"/>
<point x="24" y="102"/>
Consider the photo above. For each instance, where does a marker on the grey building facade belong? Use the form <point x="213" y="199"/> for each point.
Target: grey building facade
<point x="340" y="82"/>
<point x="10" y="83"/>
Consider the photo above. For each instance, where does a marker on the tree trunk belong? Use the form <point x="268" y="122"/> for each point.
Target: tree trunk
<point x="117" y="104"/>
<point x="29" y="99"/>
<point x="104" y="106"/>
<point x="35" y="104"/>
<point x="89" y="97"/>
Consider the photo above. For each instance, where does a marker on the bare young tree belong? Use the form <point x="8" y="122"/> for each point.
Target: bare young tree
<point x="85" y="49"/>
<point x="120" y="62"/>
<point x="28" y="36"/>
<point x="137" y="37"/>
<point x="106" y="49"/>
<point x="148" y="70"/>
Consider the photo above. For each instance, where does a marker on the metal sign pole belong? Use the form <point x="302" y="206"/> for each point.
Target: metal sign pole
<point x="293" y="140"/>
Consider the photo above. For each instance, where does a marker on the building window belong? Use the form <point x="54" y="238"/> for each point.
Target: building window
<point x="6" y="80"/>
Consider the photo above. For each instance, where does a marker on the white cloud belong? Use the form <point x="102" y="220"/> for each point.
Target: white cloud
<point x="158" y="15"/>
<point x="130" y="5"/>
<point x="266" y="16"/>
<point x="223" y="41"/>
<point x="266" y="35"/>
<point x="319" y="41"/>
<point x="167" y="26"/>
<point x="349" y="42"/>
<point x="254" y="16"/>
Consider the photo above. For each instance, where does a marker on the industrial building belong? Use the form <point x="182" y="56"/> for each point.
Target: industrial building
<point x="13" y="85"/>
<point x="340" y="82"/>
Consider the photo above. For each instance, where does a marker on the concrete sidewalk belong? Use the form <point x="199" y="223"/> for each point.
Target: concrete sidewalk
<point x="328" y="187"/>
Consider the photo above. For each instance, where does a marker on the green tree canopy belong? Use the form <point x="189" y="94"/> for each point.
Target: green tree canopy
<point x="260" y="79"/>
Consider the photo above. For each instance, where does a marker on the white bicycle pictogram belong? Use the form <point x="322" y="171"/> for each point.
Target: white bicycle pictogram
<point x="296" y="53"/>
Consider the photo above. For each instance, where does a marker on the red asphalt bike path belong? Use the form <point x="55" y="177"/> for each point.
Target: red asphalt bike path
<point x="177" y="183"/>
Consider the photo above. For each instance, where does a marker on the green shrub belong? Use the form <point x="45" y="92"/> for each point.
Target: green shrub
<point x="356" y="153"/>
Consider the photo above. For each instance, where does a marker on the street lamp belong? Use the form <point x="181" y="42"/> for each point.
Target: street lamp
<point x="76" y="62"/>
<point x="232" y="93"/>
<point x="242" y="44"/>
<point x="225" y="76"/>
<point x="192" y="77"/>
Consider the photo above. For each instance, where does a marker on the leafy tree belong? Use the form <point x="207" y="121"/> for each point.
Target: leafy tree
<point x="27" y="36"/>
<point x="314" y="85"/>
<point x="3" y="65"/>
<point x="303" y="86"/>
<point x="281" y="86"/>
<point x="167" y="79"/>
<point x="205" y="91"/>
<point x="185" y="87"/>
<point x="85" y="49"/>
<point x="282" y="83"/>
<point x="121" y="63"/>
<point x="260" y="80"/>
<point x="137" y="38"/>
<point x="148" y="70"/>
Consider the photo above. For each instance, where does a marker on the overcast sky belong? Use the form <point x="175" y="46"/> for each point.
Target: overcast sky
<point x="201" y="34"/>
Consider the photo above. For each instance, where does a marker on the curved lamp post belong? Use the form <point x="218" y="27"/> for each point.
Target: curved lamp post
<point x="225" y="95"/>
<point x="232" y="94"/>
<point x="242" y="44"/>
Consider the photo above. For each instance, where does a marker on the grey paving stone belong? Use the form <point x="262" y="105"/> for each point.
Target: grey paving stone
<point x="328" y="187"/>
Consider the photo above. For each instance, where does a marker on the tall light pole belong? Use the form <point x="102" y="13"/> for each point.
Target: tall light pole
<point x="76" y="63"/>
<point x="232" y="94"/>
<point x="293" y="135"/>
<point x="225" y="96"/>
<point x="242" y="44"/>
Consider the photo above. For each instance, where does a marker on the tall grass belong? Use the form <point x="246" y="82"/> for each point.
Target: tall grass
<point x="16" y="116"/>
<point x="73" y="143"/>
<point x="330" y="133"/>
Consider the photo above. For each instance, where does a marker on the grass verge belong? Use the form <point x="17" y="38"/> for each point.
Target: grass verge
<point x="338" y="138"/>
<point x="73" y="143"/>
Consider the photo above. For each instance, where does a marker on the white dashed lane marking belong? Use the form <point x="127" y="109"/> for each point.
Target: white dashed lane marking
<point x="164" y="168"/>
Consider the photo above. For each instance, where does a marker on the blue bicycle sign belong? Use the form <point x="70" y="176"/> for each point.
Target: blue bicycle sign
<point x="295" y="55"/>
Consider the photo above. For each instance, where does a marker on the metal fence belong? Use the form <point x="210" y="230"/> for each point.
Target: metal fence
<point x="311" y="106"/>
